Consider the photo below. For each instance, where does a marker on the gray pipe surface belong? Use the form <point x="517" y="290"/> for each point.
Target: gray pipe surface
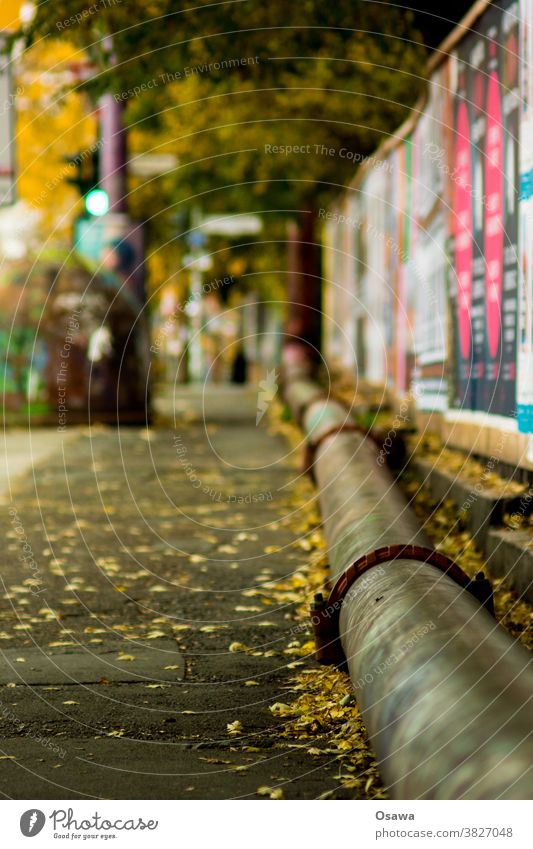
<point x="444" y="691"/>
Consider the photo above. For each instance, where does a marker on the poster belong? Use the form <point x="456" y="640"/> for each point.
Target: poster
<point x="429" y="259"/>
<point x="429" y="376"/>
<point x="485" y="213"/>
<point x="525" y="300"/>
<point x="501" y="212"/>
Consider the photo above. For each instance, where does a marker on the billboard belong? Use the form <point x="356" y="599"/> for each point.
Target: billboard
<point x="485" y="213"/>
<point x="444" y="249"/>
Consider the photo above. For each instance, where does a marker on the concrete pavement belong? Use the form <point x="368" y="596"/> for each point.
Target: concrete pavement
<point x="140" y="656"/>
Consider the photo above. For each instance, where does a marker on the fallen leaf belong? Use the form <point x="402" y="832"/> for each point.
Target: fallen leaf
<point x="271" y="792"/>
<point x="233" y="647"/>
<point x="280" y="709"/>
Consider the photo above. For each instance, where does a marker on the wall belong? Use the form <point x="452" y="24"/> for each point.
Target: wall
<point x="442" y="267"/>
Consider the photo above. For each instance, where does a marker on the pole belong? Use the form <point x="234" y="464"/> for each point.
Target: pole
<point x="113" y="158"/>
<point x="119" y="231"/>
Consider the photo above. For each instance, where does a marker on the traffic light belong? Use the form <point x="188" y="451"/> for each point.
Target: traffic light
<point x="97" y="202"/>
<point x="86" y="180"/>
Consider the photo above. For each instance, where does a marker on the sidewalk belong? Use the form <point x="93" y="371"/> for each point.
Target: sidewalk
<point x="127" y="567"/>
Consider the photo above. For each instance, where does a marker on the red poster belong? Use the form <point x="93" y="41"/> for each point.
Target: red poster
<point x="493" y="221"/>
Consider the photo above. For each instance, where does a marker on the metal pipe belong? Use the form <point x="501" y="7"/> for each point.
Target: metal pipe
<point x="444" y="691"/>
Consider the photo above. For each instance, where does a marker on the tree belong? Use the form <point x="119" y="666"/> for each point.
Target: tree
<point x="266" y="105"/>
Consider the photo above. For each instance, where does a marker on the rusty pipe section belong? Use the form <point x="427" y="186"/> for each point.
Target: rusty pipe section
<point x="444" y="691"/>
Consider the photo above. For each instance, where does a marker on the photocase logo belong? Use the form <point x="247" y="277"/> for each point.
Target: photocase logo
<point x="267" y="390"/>
<point x="32" y="822"/>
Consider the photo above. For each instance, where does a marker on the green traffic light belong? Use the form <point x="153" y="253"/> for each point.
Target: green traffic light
<point x="97" y="202"/>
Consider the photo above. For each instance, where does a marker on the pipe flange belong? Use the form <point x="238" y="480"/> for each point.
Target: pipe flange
<point x="320" y="395"/>
<point x="312" y="447"/>
<point x="325" y="614"/>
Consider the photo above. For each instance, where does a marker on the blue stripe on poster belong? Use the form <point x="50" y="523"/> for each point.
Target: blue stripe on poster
<point x="526" y="185"/>
<point x="524" y="417"/>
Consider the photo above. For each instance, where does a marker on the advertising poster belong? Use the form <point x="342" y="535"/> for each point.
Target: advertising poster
<point x="330" y="267"/>
<point x="467" y="222"/>
<point x="485" y="213"/>
<point x="427" y="266"/>
<point x="501" y="211"/>
<point x="397" y="161"/>
<point x="525" y="301"/>
<point x="429" y="376"/>
<point x="374" y="191"/>
<point x="347" y="284"/>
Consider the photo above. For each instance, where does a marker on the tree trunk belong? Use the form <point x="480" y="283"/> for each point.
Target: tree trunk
<point x="304" y="319"/>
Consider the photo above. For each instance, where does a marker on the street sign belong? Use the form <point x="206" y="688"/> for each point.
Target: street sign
<point x="231" y="225"/>
<point x="7" y="120"/>
<point x="198" y="262"/>
<point x="152" y="164"/>
<point x="89" y="238"/>
<point x="196" y="239"/>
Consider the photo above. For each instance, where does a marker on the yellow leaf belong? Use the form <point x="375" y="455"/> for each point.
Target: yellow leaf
<point x="233" y="647"/>
<point x="280" y="709"/>
<point x="271" y="792"/>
